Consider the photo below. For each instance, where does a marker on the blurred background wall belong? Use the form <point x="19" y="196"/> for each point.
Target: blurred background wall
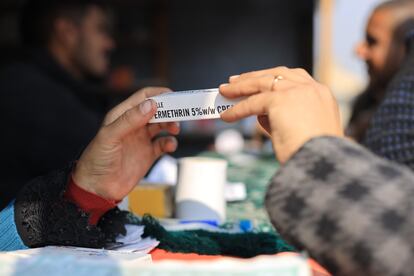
<point x="196" y="44"/>
<point x="338" y="26"/>
<point x="187" y="44"/>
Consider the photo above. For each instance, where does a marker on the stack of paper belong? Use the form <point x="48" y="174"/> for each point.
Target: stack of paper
<point x="80" y="254"/>
<point x="53" y="260"/>
<point x="131" y="247"/>
<point x="133" y="241"/>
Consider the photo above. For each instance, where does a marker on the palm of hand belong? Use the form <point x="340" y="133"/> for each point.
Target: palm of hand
<point x="124" y="148"/>
<point x="123" y="163"/>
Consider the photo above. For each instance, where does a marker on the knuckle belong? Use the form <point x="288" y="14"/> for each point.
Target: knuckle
<point x="244" y="75"/>
<point x="265" y="82"/>
<point x="323" y="88"/>
<point x="282" y="68"/>
<point x="325" y="91"/>
<point x="301" y="71"/>
<point x="109" y="117"/>
<point x="103" y="134"/>
<point x="313" y="88"/>
<point x="244" y="88"/>
<point x="128" y="116"/>
<point x="304" y="88"/>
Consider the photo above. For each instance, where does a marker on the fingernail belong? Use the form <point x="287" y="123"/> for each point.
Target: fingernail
<point x="146" y="106"/>
<point x="174" y="142"/>
<point x="234" y="77"/>
<point x="223" y="85"/>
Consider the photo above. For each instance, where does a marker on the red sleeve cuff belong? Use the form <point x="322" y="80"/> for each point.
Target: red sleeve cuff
<point x="90" y="203"/>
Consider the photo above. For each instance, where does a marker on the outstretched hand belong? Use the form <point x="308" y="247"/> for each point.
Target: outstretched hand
<point x="291" y="106"/>
<point x="125" y="147"/>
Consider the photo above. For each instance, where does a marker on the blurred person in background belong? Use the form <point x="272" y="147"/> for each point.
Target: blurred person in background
<point x="50" y="107"/>
<point x="391" y="132"/>
<point x="383" y="53"/>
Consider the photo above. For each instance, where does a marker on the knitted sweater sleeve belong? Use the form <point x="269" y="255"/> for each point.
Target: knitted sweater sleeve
<point x="351" y="210"/>
<point x="9" y="237"/>
<point x="41" y="216"/>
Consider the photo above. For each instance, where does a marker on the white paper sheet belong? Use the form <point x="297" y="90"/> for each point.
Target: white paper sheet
<point x="133" y="241"/>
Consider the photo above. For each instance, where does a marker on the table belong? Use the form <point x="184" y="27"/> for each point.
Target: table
<point x="66" y="264"/>
<point x="255" y="171"/>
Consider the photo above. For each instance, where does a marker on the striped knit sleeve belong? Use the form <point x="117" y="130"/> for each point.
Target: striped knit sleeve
<point x="9" y="237"/>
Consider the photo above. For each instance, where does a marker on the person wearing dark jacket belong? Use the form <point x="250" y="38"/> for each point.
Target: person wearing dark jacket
<point x="49" y="108"/>
<point x="391" y="133"/>
<point x="383" y="52"/>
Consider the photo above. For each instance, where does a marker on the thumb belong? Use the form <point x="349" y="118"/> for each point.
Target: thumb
<point x="132" y="119"/>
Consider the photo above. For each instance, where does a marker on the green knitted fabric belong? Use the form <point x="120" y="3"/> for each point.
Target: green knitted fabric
<point x="203" y="242"/>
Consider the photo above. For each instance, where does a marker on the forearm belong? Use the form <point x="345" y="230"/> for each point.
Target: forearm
<point x="42" y="215"/>
<point x="350" y="209"/>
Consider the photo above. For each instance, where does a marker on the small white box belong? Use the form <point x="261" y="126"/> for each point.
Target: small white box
<point x="190" y="105"/>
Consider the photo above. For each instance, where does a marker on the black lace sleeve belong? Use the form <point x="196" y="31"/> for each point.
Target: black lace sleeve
<point x="43" y="217"/>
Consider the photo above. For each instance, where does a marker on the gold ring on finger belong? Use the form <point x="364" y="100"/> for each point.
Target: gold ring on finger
<point x="275" y="80"/>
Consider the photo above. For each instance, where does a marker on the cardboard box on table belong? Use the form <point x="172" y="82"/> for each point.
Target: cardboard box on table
<point x="153" y="199"/>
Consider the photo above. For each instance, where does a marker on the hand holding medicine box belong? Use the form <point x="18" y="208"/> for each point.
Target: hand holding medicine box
<point x="190" y="105"/>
